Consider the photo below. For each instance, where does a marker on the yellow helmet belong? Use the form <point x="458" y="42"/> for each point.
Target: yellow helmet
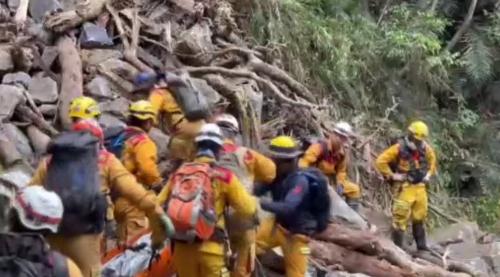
<point x="419" y="130"/>
<point x="284" y="147"/>
<point x="142" y="110"/>
<point x="84" y="108"/>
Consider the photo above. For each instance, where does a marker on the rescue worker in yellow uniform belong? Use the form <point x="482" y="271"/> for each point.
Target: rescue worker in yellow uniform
<point x="249" y="166"/>
<point x="83" y="108"/>
<point x="84" y="249"/>
<point x="409" y="165"/>
<point x="294" y="207"/>
<point x="140" y="158"/>
<point x="207" y="258"/>
<point x="182" y="131"/>
<point x="330" y="157"/>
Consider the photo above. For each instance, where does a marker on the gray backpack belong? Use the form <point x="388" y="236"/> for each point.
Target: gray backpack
<point x="191" y="100"/>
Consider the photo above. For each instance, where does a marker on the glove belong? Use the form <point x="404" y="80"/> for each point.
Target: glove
<point x="398" y="177"/>
<point x="167" y="225"/>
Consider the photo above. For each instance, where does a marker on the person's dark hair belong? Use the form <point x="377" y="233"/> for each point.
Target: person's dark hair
<point x="136" y="122"/>
<point x="208" y="145"/>
<point x="16" y="226"/>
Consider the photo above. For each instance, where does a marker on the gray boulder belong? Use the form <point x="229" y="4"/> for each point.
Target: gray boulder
<point x="20" y="140"/>
<point x="6" y="63"/>
<point x="10" y="97"/>
<point x="100" y="88"/>
<point x="93" y="36"/>
<point x="43" y="89"/>
<point x="93" y="57"/>
<point x="108" y="120"/>
<point x="117" y="107"/>
<point x="39" y="8"/>
<point x="18" y="78"/>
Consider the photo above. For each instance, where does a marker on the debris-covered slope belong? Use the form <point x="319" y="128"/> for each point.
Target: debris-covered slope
<point x="52" y="51"/>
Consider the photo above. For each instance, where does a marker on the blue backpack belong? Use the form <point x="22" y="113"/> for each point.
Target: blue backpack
<point x="319" y="196"/>
<point x="115" y="138"/>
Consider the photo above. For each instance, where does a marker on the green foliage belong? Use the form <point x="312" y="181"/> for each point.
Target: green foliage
<point x="477" y="58"/>
<point x="486" y="211"/>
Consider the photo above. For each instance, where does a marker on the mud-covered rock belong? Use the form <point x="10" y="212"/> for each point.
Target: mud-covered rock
<point x="20" y="140"/>
<point x="93" y="36"/>
<point x="39" y="8"/>
<point x="10" y="97"/>
<point x="49" y="110"/>
<point x="6" y="63"/>
<point x="210" y="94"/>
<point x="117" y="107"/>
<point x="195" y="45"/>
<point x="108" y="120"/>
<point x="43" y="89"/>
<point x="49" y="55"/>
<point x="120" y="68"/>
<point x="99" y="87"/>
<point x="93" y="57"/>
<point x="18" y="78"/>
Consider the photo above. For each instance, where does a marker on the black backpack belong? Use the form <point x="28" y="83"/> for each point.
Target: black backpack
<point x="115" y="138"/>
<point x="192" y="102"/>
<point x="73" y="173"/>
<point x="28" y="255"/>
<point x="319" y="196"/>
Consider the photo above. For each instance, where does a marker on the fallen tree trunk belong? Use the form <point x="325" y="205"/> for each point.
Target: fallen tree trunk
<point x="370" y="244"/>
<point x="71" y="80"/>
<point x="355" y="262"/>
<point x="64" y="21"/>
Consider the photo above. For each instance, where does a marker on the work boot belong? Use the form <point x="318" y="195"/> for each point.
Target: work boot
<point x="419" y="236"/>
<point x="398" y="237"/>
<point x="354" y="204"/>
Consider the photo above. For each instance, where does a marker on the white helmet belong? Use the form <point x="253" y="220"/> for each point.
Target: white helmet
<point x="210" y="132"/>
<point x="39" y="208"/>
<point x="343" y="128"/>
<point x="229" y="121"/>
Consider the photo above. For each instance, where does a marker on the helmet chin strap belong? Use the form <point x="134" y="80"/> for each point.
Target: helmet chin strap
<point x="410" y="143"/>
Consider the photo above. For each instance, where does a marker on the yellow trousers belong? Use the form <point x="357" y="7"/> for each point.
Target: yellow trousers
<point x="410" y="203"/>
<point x="84" y="250"/>
<point x="295" y="247"/>
<point x="189" y="261"/>
<point x="243" y="244"/>
<point x="351" y="190"/>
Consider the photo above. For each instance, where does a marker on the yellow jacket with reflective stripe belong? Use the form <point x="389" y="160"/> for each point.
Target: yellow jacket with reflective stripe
<point x="228" y="192"/>
<point x="329" y="164"/>
<point x="140" y="158"/>
<point x="391" y="155"/>
<point x="163" y="102"/>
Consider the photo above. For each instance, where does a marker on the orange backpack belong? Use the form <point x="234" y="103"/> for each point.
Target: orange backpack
<point x="191" y="202"/>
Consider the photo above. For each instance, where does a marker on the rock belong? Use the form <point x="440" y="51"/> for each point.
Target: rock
<point x="39" y="8"/>
<point x="49" y="55"/>
<point x="186" y="5"/>
<point x="49" y="110"/>
<point x="344" y="274"/>
<point x="211" y="94"/>
<point x="43" y="89"/>
<point x="69" y="4"/>
<point x="94" y="57"/>
<point x="100" y="88"/>
<point x="23" y="58"/>
<point x="93" y="36"/>
<point x="38" y="31"/>
<point x="117" y="107"/>
<point x="6" y="63"/>
<point x="20" y="140"/>
<point x="161" y="140"/>
<point x="107" y="120"/>
<point x="468" y="231"/>
<point x="341" y="212"/>
<point x="20" y="78"/>
<point x="121" y="68"/>
<point x="196" y="41"/>
<point x="13" y="5"/>
<point x="38" y="139"/>
<point x="10" y="97"/>
<point x="479" y="265"/>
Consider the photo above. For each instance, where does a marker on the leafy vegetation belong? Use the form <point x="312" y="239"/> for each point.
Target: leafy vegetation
<point x="368" y="57"/>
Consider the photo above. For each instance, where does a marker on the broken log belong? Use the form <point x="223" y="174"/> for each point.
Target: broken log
<point x="71" y="79"/>
<point x="355" y="262"/>
<point x="84" y="11"/>
<point x="372" y="245"/>
<point x="29" y="115"/>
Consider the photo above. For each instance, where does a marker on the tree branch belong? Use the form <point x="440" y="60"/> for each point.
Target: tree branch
<point x="465" y="25"/>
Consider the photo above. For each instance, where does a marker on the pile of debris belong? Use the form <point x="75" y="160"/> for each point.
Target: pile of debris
<point x="54" y="50"/>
